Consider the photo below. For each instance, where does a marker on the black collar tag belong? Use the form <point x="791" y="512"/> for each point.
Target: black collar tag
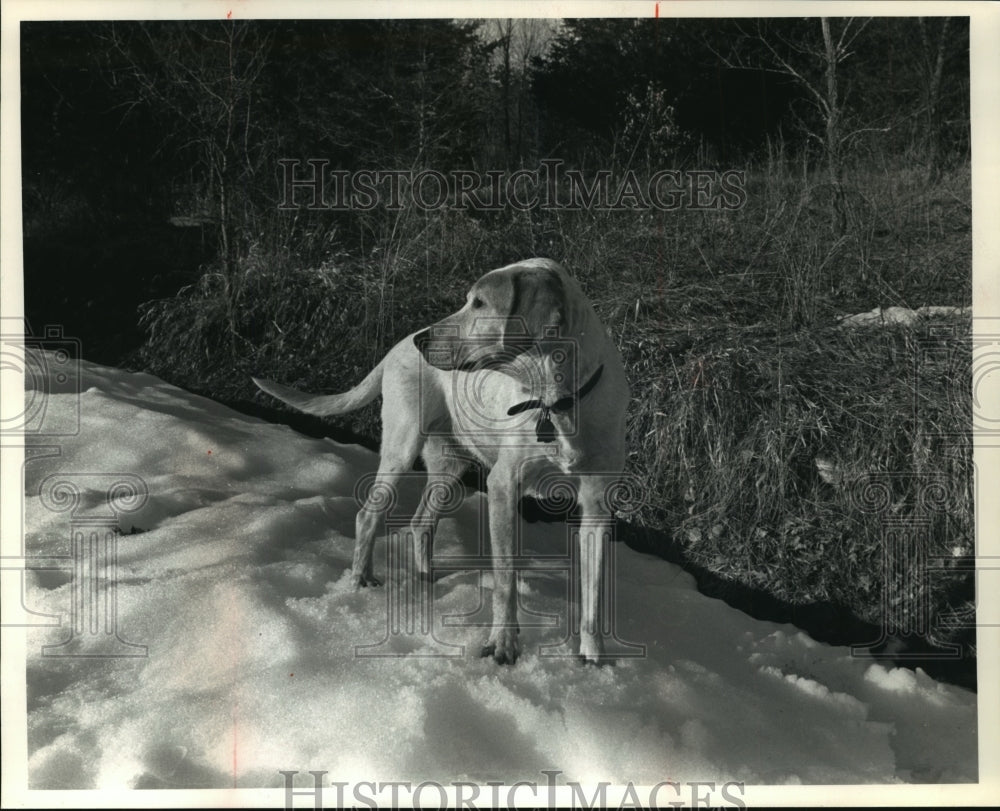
<point x="545" y="431"/>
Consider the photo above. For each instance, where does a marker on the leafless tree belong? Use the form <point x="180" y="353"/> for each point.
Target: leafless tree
<point x="203" y="76"/>
<point x="932" y="63"/>
<point x="517" y="42"/>
<point x="813" y="60"/>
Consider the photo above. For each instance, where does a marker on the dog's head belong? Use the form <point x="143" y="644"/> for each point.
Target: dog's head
<point x="507" y="313"/>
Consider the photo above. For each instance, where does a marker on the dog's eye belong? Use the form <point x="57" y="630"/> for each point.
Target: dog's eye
<point x="477" y="303"/>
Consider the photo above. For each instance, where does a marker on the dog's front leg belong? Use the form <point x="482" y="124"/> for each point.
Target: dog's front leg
<point x="595" y="532"/>
<point x="502" y="644"/>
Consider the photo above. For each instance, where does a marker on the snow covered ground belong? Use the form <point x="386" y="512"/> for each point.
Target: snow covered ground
<point x="236" y="584"/>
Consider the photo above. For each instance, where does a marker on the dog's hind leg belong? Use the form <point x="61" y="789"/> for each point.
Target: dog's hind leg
<point x="442" y="491"/>
<point x="399" y="451"/>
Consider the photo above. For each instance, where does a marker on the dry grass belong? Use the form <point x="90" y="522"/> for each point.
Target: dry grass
<point x="765" y="452"/>
<point x="726" y="321"/>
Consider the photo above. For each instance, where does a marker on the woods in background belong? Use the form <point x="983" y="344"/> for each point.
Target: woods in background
<point x="152" y="159"/>
<point x="170" y="118"/>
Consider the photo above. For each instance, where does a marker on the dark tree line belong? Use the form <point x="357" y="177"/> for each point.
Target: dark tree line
<point x="109" y="107"/>
<point x="735" y="83"/>
<point x="129" y="126"/>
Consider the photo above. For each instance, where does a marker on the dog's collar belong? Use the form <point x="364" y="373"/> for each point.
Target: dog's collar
<point x="544" y="429"/>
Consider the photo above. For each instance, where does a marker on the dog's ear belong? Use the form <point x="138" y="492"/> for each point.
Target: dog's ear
<point x="537" y="302"/>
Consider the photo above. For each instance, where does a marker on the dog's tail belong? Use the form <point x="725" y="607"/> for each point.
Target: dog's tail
<point x="327" y="405"/>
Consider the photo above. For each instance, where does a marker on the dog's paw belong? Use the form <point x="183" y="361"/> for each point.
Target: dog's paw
<point x="503" y="647"/>
<point x="602" y="661"/>
<point x="592" y="649"/>
<point x="361" y="581"/>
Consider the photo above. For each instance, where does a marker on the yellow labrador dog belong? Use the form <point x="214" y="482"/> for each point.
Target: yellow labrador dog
<point x="523" y="380"/>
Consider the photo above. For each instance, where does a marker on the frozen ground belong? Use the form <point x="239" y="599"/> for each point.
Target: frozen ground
<point x="236" y="585"/>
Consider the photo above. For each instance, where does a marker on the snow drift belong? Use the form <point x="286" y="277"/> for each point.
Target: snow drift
<point x="233" y="575"/>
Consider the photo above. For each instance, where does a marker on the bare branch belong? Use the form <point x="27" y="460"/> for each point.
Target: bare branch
<point x="843" y="47"/>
